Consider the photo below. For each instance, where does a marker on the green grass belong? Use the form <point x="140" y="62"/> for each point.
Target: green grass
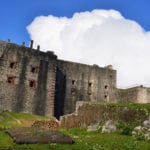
<point x="12" y="119"/>
<point x="129" y="105"/>
<point x="5" y="140"/>
<point x="83" y="141"/>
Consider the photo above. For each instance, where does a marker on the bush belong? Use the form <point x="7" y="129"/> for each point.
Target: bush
<point x="126" y="131"/>
<point x="125" y="128"/>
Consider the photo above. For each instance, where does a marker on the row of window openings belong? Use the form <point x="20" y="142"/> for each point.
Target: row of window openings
<point x="13" y="65"/>
<point x="89" y="93"/>
<point x="89" y="84"/>
<point x="105" y="96"/>
<point x="11" y="80"/>
<point x="73" y="83"/>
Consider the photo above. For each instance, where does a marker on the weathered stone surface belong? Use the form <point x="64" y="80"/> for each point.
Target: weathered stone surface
<point x="37" y="82"/>
<point x="34" y="135"/>
<point x="109" y="127"/>
<point x="137" y="94"/>
<point x="88" y="113"/>
<point x="27" y="82"/>
<point x="86" y="83"/>
<point x="142" y="131"/>
<point x="93" y="127"/>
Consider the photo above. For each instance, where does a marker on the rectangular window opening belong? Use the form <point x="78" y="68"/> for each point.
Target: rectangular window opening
<point x="34" y="69"/>
<point x="90" y="84"/>
<point x="13" y="65"/>
<point x="106" y="86"/>
<point x="73" y="82"/>
<point x="90" y="93"/>
<point x="11" y="80"/>
<point x="32" y="83"/>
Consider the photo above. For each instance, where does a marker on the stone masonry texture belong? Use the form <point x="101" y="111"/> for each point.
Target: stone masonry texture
<point x="38" y="82"/>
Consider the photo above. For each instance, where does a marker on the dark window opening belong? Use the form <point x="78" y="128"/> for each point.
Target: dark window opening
<point x="106" y="96"/>
<point x="90" y="93"/>
<point x="90" y="84"/>
<point x="111" y="76"/>
<point x="32" y="83"/>
<point x="106" y="86"/>
<point x="73" y="82"/>
<point x="13" y="65"/>
<point x="34" y="69"/>
<point x="11" y="80"/>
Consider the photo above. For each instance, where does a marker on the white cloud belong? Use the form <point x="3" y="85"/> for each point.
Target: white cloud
<point x="98" y="37"/>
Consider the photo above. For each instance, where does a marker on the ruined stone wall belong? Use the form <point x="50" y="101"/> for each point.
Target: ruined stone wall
<point x="27" y="80"/>
<point x="88" y="113"/>
<point x="83" y="83"/>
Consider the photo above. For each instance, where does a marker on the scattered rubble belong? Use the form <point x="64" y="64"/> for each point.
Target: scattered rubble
<point x="142" y="131"/>
<point x="44" y="124"/>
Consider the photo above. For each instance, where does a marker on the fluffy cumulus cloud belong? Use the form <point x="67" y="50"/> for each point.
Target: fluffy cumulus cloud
<point x="98" y="37"/>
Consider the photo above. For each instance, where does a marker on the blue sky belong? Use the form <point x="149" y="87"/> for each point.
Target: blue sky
<point x="120" y="37"/>
<point x="15" y="15"/>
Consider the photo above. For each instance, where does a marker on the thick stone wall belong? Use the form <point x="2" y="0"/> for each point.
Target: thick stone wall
<point x="138" y="94"/>
<point x="128" y="95"/>
<point x="27" y="80"/>
<point x="84" y="83"/>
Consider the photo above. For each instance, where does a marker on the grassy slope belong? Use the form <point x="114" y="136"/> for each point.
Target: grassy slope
<point x="83" y="140"/>
<point x="11" y="119"/>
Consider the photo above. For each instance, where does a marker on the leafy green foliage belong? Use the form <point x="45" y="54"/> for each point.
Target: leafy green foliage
<point x="125" y="128"/>
<point x="144" y="106"/>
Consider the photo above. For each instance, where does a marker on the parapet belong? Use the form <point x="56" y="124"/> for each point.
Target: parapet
<point x="26" y="50"/>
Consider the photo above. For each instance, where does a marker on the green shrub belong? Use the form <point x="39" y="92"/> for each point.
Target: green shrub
<point x="125" y="128"/>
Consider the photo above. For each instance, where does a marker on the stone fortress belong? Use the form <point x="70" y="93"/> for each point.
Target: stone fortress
<point x="38" y="82"/>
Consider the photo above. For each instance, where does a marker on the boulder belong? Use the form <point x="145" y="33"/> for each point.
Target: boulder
<point x="143" y="130"/>
<point x="93" y="127"/>
<point x="109" y="127"/>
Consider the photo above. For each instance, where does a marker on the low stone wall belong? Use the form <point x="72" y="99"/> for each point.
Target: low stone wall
<point x="90" y="113"/>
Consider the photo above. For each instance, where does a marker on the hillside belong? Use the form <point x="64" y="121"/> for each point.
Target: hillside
<point x="84" y="140"/>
